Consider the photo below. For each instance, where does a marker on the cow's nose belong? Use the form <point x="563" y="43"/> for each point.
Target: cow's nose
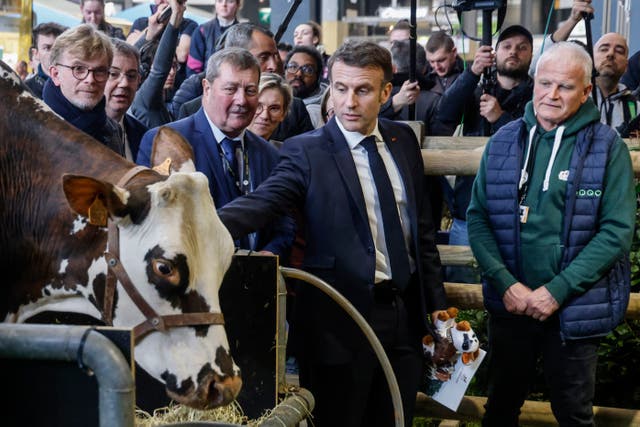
<point x="224" y="392"/>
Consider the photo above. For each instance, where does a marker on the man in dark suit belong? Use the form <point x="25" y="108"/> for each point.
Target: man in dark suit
<point x="370" y="237"/>
<point x="234" y="160"/>
<point x="120" y="90"/>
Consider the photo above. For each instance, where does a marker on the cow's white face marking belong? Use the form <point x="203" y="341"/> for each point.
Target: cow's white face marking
<point x="79" y="224"/>
<point x="181" y="222"/>
<point x="63" y="266"/>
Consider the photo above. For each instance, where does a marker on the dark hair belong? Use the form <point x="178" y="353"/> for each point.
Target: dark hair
<point x="239" y="35"/>
<point x="312" y="52"/>
<point x="46" y="29"/>
<point x="438" y="40"/>
<point x="400" y="55"/>
<point x="123" y="48"/>
<point x="402" y="24"/>
<point x="284" y="46"/>
<point x="363" y="54"/>
<point x="237" y="57"/>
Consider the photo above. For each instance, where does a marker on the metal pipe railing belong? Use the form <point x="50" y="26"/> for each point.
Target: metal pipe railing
<point x="366" y="329"/>
<point x="291" y="411"/>
<point x="116" y="388"/>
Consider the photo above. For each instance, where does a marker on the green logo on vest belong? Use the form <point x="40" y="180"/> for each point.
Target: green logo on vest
<point x="588" y="193"/>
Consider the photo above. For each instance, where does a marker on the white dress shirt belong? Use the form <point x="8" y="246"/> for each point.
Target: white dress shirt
<point x="374" y="214"/>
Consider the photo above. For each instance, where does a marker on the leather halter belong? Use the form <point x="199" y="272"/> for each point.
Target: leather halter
<point x="116" y="273"/>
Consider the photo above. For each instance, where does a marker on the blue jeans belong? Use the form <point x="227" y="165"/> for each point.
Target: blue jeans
<point x="515" y="344"/>
<point x="458" y="236"/>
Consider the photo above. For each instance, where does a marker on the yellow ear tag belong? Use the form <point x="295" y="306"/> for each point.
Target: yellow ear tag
<point x="164" y="168"/>
<point x="98" y="213"/>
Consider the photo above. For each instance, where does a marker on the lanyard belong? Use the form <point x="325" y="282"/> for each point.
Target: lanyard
<point x="529" y="168"/>
<point x="243" y="182"/>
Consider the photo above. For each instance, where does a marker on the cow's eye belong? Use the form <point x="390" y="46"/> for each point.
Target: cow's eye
<point x="166" y="270"/>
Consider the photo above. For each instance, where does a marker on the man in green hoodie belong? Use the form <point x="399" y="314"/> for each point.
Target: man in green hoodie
<point x="551" y="220"/>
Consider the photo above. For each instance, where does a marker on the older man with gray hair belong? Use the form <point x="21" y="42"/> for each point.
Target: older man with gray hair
<point x="234" y="159"/>
<point x="551" y="220"/>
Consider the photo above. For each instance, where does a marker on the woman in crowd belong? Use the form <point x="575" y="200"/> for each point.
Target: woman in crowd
<point x="273" y="105"/>
<point x="310" y="34"/>
<point x="93" y="13"/>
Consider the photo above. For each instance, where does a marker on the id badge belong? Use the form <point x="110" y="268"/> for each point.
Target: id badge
<point x="524" y="214"/>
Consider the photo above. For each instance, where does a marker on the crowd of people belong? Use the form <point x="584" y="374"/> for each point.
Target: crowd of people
<point x="308" y="159"/>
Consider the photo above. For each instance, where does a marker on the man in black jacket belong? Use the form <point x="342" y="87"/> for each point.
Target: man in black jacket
<point x="43" y="37"/>
<point x="444" y="62"/>
<point x="486" y="109"/>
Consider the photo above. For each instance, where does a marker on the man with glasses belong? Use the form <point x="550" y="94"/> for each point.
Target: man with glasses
<point x="121" y="87"/>
<point x="303" y="71"/>
<point x="79" y="69"/>
<point x="234" y="159"/>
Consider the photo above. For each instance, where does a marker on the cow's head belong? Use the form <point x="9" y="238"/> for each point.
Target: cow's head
<point x="176" y="252"/>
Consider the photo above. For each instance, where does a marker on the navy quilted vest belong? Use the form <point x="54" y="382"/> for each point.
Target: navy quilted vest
<point x="602" y="307"/>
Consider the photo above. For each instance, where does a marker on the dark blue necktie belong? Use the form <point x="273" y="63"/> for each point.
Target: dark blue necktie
<point x="393" y="234"/>
<point x="229" y="148"/>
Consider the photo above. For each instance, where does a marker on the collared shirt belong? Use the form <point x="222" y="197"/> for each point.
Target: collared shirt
<point x="218" y="135"/>
<point x="125" y="140"/>
<point x="374" y="214"/>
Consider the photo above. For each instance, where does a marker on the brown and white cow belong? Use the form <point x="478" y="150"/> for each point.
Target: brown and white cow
<point x="172" y="244"/>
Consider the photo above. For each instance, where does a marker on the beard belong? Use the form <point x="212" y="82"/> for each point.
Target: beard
<point x="519" y="73"/>
<point x="302" y="91"/>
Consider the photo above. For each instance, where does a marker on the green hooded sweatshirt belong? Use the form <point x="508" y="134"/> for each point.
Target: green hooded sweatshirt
<point x="541" y="236"/>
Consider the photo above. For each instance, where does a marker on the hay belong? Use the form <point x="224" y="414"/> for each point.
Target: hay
<point x="174" y="413"/>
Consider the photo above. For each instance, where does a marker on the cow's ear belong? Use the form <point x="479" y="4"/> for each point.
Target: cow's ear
<point x="171" y="152"/>
<point x="93" y="199"/>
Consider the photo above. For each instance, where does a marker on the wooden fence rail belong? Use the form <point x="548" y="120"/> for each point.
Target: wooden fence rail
<point x="461" y="155"/>
<point x="533" y="414"/>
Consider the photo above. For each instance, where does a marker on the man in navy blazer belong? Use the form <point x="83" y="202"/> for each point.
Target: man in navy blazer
<point x="328" y="174"/>
<point x="234" y="160"/>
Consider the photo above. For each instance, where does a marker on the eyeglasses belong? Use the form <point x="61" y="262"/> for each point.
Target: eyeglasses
<point x="131" y="76"/>
<point x="307" y="69"/>
<point x="81" y="72"/>
<point x="272" y="110"/>
<point x="226" y="1"/>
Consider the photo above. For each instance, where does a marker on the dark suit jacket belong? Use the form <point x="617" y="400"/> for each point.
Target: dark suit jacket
<point x="277" y="236"/>
<point x="135" y="130"/>
<point x="317" y="174"/>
